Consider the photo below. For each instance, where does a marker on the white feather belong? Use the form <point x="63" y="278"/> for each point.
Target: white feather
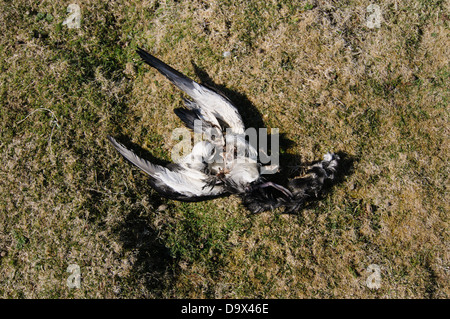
<point x="219" y="106"/>
<point x="186" y="181"/>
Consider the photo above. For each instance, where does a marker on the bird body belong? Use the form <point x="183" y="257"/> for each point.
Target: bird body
<point x="224" y="162"/>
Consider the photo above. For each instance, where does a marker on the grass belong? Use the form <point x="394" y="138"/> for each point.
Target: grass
<point x="313" y="69"/>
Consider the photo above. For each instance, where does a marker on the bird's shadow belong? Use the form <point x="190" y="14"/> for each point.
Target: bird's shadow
<point x="153" y="264"/>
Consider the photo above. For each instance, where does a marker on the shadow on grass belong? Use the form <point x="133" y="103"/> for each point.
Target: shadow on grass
<point x="153" y="267"/>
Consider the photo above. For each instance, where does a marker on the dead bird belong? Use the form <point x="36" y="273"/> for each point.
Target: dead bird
<point x="224" y="162"/>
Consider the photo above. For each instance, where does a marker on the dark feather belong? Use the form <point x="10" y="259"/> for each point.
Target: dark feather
<point x="311" y="185"/>
<point x="177" y="78"/>
<point x="187" y="116"/>
<point x="261" y="200"/>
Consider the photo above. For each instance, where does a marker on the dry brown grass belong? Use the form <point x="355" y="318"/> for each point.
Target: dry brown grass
<point x="310" y="68"/>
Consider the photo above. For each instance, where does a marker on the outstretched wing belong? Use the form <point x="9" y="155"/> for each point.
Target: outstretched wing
<point x="206" y="100"/>
<point x="178" y="182"/>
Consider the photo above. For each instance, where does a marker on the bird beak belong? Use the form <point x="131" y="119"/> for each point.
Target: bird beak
<point x="282" y="189"/>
